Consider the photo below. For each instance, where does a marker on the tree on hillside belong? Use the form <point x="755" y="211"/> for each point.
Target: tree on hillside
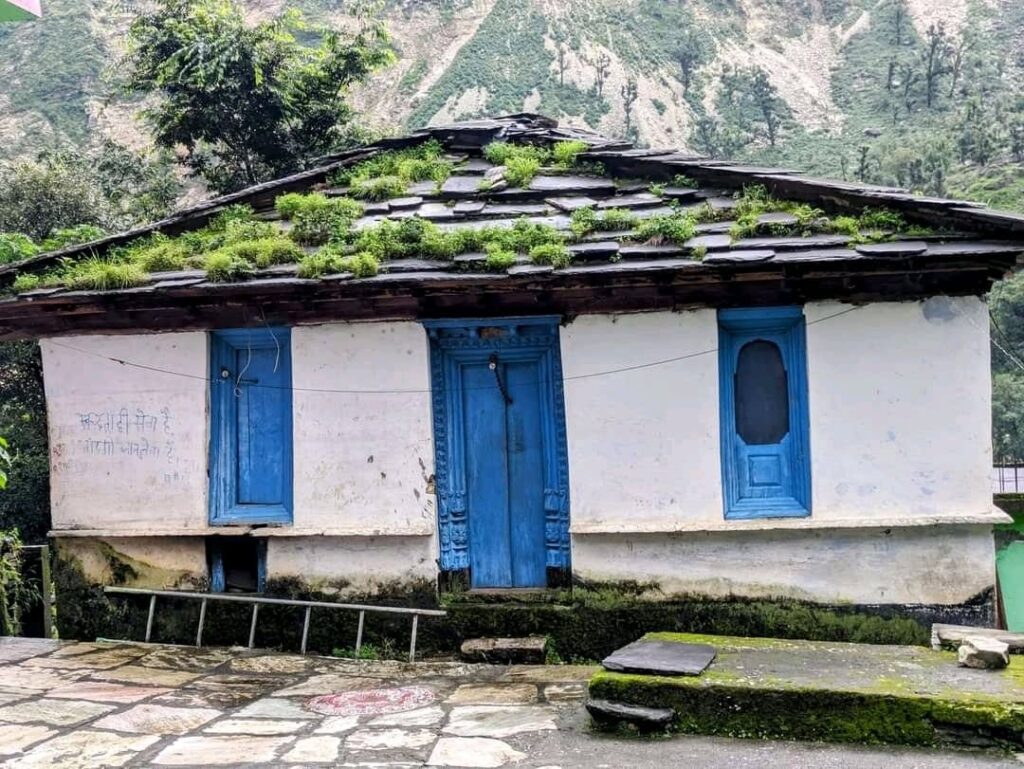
<point x="52" y="192"/>
<point x="630" y="92"/>
<point x="693" y="50"/>
<point x="242" y="102"/>
<point x="766" y="99"/>
<point x="936" y="64"/>
<point x="112" y="188"/>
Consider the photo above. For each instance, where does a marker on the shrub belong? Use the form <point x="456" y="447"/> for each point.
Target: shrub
<point x="499" y="258"/>
<point x="222" y="266"/>
<point x="564" y="153"/>
<point x="100" y="274"/>
<point x="676" y="228"/>
<point x="14" y="247"/>
<point x="555" y="254"/>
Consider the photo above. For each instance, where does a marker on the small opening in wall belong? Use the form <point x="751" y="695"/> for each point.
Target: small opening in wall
<point x="237" y="564"/>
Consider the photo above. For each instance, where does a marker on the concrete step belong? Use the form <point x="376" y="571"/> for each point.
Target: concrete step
<point x="766" y="688"/>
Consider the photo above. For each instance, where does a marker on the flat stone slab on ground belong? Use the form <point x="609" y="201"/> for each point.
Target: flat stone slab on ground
<point x="660" y="658"/>
<point x="545" y="674"/>
<point x="314" y="750"/>
<point x="274" y="707"/>
<point x="140" y="674"/>
<point x="499" y="721"/>
<point x="84" y="749"/>
<point x="494" y="694"/>
<point x="389" y="739"/>
<point x="605" y="711"/>
<point x="14" y="738"/>
<point x="254" y="726"/>
<point x="473" y="752"/>
<point x="103" y="691"/>
<point x="18" y="649"/>
<point x="520" y="651"/>
<point x="157" y="719"/>
<point x="54" y="712"/>
<point x="207" y="751"/>
<point x="422" y="717"/>
<point x="951" y="636"/>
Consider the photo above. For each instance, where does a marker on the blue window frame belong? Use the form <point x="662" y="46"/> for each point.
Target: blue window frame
<point x="762" y="356"/>
<point x="250" y="426"/>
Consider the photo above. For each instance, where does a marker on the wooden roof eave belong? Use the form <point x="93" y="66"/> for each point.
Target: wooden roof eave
<point x="658" y="285"/>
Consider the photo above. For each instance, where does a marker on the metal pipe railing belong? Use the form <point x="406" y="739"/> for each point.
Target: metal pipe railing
<point x="258" y="601"/>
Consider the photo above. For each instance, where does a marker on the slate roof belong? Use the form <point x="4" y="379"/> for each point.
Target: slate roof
<point x="610" y="271"/>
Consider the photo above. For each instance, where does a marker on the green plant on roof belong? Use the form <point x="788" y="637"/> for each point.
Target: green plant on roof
<point x="224" y="267"/>
<point x="677" y="228"/>
<point x="523" y="161"/>
<point x="682" y="180"/>
<point x="564" y="154"/>
<point x="388" y="174"/>
<point x="499" y="258"/>
<point x="555" y="254"/>
<point x="586" y="220"/>
<point x="15" y="247"/>
<point x="316" y="218"/>
<point x="71" y="236"/>
<point x="102" y="275"/>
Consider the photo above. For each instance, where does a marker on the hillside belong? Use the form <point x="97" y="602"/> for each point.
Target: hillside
<point x="921" y="93"/>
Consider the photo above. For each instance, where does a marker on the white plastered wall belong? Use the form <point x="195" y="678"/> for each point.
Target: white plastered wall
<point x="899" y="400"/>
<point x="128" y="444"/>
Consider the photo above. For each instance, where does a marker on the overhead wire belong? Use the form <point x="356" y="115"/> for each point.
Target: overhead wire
<point x="419" y="391"/>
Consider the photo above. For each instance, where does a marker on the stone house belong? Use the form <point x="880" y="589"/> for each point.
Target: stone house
<point x="732" y="380"/>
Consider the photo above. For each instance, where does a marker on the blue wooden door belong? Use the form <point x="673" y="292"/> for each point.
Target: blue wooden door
<point x="502" y="471"/>
<point x="251" y="427"/>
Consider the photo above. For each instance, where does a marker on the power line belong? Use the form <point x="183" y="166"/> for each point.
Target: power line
<point x="591" y="375"/>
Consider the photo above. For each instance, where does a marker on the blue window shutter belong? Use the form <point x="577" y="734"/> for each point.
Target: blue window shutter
<point x="250" y="426"/>
<point x="765" y="432"/>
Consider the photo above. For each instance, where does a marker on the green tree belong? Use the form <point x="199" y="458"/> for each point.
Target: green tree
<point x="37" y="197"/>
<point x="111" y="188"/>
<point x="25" y="503"/>
<point x="694" y="49"/>
<point x="248" y="102"/>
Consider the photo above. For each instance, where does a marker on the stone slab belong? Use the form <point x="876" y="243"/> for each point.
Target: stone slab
<point x="525" y="651"/>
<point x="140" y="674"/>
<point x="494" y="694"/>
<point x="660" y="658"/>
<point x="14" y="738"/>
<point x="255" y="726"/>
<point x="498" y="721"/>
<point x="84" y="749"/>
<point x="328" y="683"/>
<point x="545" y="674"/>
<point x="423" y="717"/>
<point x="213" y="751"/>
<point x="951" y="636"/>
<point x="338" y="724"/>
<point x="274" y="707"/>
<point x="54" y="712"/>
<point x="157" y="719"/>
<point x="314" y="750"/>
<point x="607" y="712"/>
<point x="389" y="739"/>
<point x="559" y="693"/>
<point x="18" y="649"/>
<point x="104" y="691"/>
<point x="473" y="752"/>
<point x="270" y="664"/>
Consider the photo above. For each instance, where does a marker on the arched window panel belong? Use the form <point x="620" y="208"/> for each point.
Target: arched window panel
<point x="761" y="394"/>
<point x="766" y="468"/>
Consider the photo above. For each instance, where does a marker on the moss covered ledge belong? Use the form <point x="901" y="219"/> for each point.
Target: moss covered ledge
<point x="835" y="692"/>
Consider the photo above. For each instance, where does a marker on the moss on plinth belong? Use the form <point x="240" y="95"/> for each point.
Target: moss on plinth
<point x="834" y="692"/>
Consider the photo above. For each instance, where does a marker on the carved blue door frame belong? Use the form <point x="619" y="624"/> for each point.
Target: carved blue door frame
<point x="500" y="448"/>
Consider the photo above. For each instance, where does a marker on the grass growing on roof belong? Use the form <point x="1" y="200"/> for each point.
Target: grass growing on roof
<point x="555" y="254"/>
<point x="587" y="220"/>
<point x="523" y="161"/>
<point x="388" y="174"/>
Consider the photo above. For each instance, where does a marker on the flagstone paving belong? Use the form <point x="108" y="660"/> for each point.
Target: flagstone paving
<point x="100" y="705"/>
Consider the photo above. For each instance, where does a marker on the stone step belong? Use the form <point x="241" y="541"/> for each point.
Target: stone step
<point x="531" y="650"/>
<point x="951" y="636"/>
<point x="609" y="713"/>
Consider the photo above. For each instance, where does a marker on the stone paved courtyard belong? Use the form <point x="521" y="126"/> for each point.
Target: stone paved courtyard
<point x="65" y="705"/>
